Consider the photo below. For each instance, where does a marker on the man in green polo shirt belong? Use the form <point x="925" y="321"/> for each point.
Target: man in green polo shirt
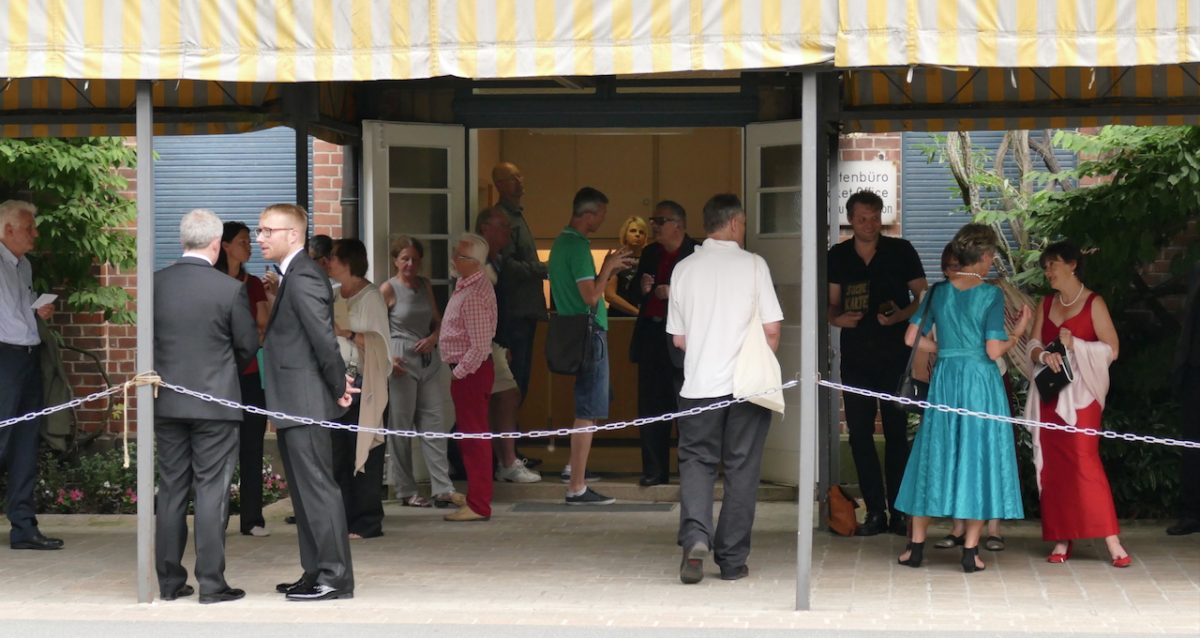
<point x="576" y="289"/>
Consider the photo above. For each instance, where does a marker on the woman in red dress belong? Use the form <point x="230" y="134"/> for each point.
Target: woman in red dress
<point x="1076" y="498"/>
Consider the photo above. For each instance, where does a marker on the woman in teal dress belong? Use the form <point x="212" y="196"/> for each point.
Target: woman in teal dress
<point x="960" y="466"/>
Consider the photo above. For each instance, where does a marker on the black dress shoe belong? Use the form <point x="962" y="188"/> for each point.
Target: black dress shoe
<point x="734" y="573"/>
<point x="287" y="588"/>
<point x="1184" y="526"/>
<point x="319" y="592"/>
<point x="183" y="591"/>
<point x="37" y="541"/>
<point x="875" y="523"/>
<point x="651" y="481"/>
<point x="223" y="596"/>
<point x="898" y="524"/>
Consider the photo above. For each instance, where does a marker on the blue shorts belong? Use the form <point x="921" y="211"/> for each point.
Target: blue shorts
<point x="592" y="391"/>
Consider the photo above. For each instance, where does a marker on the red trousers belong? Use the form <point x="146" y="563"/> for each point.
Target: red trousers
<point x="471" y="395"/>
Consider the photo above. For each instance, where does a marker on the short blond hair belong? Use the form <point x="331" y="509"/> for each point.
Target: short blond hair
<point x="296" y="213"/>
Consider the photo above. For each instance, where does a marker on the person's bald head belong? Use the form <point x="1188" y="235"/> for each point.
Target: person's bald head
<point x="508" y="181"/>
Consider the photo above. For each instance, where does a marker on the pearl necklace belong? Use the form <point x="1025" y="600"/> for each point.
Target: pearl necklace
<point x="1077" y="295"/>
<point x="970" y="274"/>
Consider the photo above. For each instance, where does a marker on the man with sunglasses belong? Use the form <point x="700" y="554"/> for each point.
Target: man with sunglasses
<point x="659" y="374"/>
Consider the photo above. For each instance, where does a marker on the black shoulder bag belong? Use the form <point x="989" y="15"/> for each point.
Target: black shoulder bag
<point x="569" y="342"/>
<point x="911" y="388"/>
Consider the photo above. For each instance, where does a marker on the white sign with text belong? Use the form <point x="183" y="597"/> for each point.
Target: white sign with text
<point x="878" y="176"/>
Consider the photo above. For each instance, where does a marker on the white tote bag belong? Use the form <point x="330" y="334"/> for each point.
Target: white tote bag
<point x="756" y="368"/>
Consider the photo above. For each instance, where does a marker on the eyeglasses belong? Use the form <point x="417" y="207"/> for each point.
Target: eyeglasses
<point x="659" y="221"/>
<point x="265" y="231"/>
<point x="464" y="257"/>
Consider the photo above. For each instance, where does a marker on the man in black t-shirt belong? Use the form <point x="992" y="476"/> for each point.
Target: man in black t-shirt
<point x="874" y="282"/>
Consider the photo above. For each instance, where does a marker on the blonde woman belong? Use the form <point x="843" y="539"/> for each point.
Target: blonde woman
<point x="622" y="292"/>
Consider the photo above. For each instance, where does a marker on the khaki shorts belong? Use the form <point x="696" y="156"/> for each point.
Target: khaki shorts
<point x="504" y="376"/>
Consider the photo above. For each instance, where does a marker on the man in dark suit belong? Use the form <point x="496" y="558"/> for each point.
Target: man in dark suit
<point x="306" y="377"/>
<point x="203" y="335"/>
<point x="660" y="375"/>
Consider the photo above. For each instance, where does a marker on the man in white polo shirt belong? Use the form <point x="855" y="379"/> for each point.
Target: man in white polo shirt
<point x="712" y="300"/>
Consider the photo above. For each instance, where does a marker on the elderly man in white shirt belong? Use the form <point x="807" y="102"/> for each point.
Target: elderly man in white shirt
<point x="711" y="306"/>
<point x="20" y="373"/>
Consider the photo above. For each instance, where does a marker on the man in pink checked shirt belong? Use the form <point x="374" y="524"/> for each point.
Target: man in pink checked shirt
<point x="468" y="326"/>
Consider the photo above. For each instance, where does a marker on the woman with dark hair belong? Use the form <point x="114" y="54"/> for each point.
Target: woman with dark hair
<point x="361" y="325"/>
<point x="235" y="252"/>
<point x="1075" y="495"/>
<point x="963" y="466"/>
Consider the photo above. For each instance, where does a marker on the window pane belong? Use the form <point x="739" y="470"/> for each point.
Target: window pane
<point x="437" y="258"/>
<point x="779" y="165"/>
<point x="780" y="212"/>
<point x="413" y="167"/>
<point x="441" y="294"/>
<point x="413" y="214"/>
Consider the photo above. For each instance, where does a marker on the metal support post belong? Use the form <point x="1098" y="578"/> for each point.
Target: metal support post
<point x="145" y="341"/>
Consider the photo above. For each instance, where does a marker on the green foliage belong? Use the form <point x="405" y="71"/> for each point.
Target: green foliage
<point x="1149" y="189"/>
<point x="76" y="186"/>
<point x="100" y="484"/>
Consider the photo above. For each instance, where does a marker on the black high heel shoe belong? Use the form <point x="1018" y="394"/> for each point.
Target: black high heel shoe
<point x="916" y="553"/>
<point x="968" y="560"/>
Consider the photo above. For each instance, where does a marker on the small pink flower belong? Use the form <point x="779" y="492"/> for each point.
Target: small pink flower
<point x="76" y="494"/>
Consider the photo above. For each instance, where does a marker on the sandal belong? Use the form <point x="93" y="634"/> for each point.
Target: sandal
<point x="449" y="499"/>
<point x="416" y="500"/>
<point x="994" y="544"/>
<point x="950" y="540"/>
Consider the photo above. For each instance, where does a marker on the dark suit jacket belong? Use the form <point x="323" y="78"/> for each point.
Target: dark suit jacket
<point x="302" y="366"/>
<point x="203" y="335"/>
<point x="1187" y="356"/>
<point x="648" y="264"/>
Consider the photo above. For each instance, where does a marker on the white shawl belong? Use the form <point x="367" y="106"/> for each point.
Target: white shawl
<point x="1089" y="362"/>
<point x="366" y="313"/>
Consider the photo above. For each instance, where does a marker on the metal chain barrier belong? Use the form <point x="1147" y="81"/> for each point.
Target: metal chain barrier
<point x="1121" y="436"/>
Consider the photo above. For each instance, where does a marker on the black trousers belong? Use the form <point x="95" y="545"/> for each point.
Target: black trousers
<point x="250" y="454"/>
<point x="20" y="393"/>
<point x="193" y="456"/>
<point x="320" y="515"/>
<point x="659" y="382"/>
<point x="1189" y="469"/>
<point x="880" y="373"/>
<point x="733" y="438"/>
<point x="362" y="493"/>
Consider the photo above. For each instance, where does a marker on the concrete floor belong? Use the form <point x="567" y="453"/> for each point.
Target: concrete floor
<point x="592" y="573"/>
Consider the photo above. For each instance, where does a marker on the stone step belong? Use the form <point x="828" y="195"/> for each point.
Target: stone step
<point x="624" y="490"/>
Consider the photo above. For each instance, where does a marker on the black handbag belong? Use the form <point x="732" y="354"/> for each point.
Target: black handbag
<point x="909" y="387"/>
<point x="569" y="343"/>
<point x="1050" y="383"/>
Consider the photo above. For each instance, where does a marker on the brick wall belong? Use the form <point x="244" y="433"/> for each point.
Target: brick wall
<point x="116" y="345"/>
<point x="853" y="147"/>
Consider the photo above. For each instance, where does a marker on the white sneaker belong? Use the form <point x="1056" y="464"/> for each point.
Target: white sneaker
<point x="517" y="473"/>
<point x="259" y="531"/>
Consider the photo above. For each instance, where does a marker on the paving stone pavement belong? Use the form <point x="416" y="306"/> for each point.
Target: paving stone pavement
<point x="596" y="569"/>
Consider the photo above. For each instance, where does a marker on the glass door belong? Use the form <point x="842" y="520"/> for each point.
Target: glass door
<point x="773" y="216"/>
<point x="415" y="185"/>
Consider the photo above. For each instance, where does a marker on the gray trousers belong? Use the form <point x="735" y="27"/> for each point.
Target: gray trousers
<point x="317" y="500"/>
<point x="196" y="455"/>
<point x="416" y="401"/>
<point x="732" y="437"/>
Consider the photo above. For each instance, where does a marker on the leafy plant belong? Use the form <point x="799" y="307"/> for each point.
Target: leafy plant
<point x="76" y="185"/>
<point x="100" y="484"/>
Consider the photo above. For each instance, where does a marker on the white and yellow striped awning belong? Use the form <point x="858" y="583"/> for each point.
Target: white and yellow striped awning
<point x="68" y="66"/>
<point x="357" y="40"/>
<point x="1017" y="33"/>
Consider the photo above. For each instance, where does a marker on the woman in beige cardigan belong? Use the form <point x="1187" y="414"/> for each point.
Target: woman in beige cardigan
<point x="361" y="325"/>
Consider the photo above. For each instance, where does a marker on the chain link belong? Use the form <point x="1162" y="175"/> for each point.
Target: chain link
<point x="63" y="406"/>
<point x="1123" y="436"/>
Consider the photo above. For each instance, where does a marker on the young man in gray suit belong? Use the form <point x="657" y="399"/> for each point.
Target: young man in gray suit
<point x="203" y="335"/>
<point x="306" y="377"/>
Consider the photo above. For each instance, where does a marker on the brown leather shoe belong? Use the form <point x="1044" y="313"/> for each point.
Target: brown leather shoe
<point x="451" y="499"/>
<point x="465" y="515"/>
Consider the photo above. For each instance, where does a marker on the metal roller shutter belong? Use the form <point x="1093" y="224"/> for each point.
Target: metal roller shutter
<point x="931" y="207"/>
<point x="233" y="175"/>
